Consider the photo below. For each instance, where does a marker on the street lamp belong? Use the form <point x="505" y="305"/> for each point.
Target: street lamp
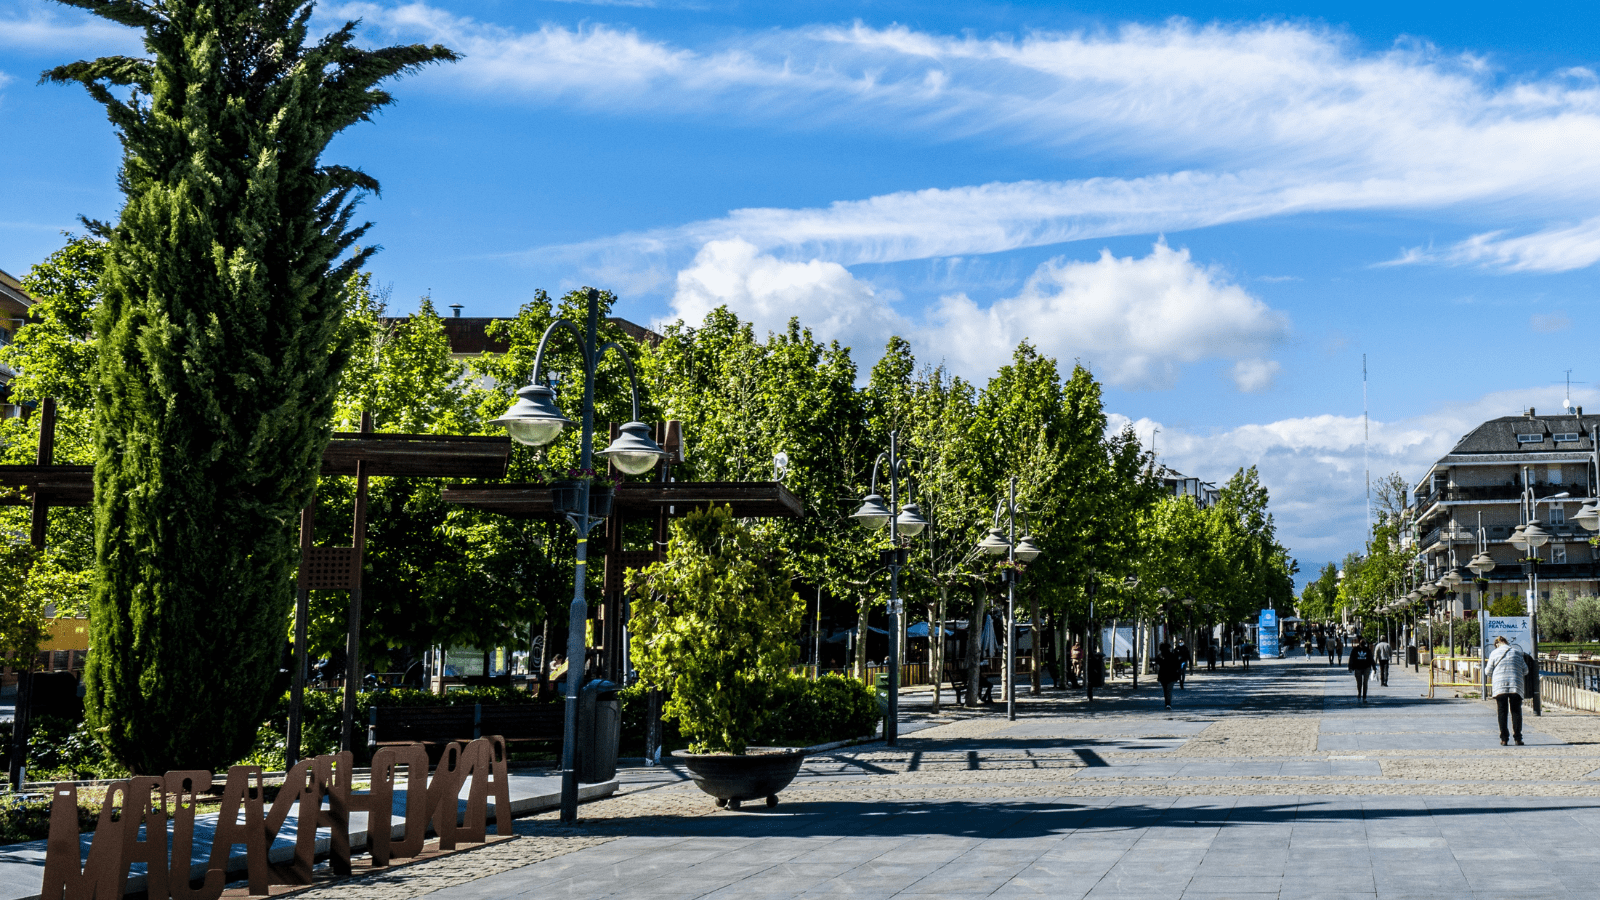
<point x="873" y="515"/>
<point x="535" y="420"/>
<point x="998" y="542"/>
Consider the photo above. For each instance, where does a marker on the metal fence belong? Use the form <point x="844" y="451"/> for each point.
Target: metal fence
<point x="1585" y="676"/>
<point x="912" y="674"/>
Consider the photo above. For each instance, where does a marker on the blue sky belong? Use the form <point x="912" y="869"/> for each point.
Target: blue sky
<point x="1220" y="207"/>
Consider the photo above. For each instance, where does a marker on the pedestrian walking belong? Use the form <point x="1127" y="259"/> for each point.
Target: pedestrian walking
<point x="1338" y="650"/>
<point x="1211" y="656"/>
<point x="1168" y="670"/>
<point x="1327" y="644"/>
<point x="1361" y="666"/>
<point x="1382" y="652"/>
<point x="1507" y="669"/>
<point x="1183" y="662"/>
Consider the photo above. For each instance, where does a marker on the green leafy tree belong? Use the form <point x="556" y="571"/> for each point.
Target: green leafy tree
<point x="944" y="452"/>
<point x="743" y="400"/>
<point x="1509" y="605"/>
<point x="1319" y="600"/>
<point x="218" y="359"/>
<point x="714" y="624"/>
<point x="37" y="587"/>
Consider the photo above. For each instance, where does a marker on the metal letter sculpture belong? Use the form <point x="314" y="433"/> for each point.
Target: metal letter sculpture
<point x="147" y="805"/>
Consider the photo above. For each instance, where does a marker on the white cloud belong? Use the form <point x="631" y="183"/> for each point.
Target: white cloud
<point x="1138" y="321"/>
<point x="1313" y="466"/>
<point x="1559" y="249"/>
<point x="768" y="291"/>
<point x="1231" y="122"/>
<point x="33" y="26"/>
<point x="1255" y="375"/>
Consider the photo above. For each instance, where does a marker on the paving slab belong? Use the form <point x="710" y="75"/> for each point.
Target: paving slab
<point x="1268" y="782"/>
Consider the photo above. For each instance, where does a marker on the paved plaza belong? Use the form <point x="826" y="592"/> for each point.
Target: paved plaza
<point x="1267" y="783"/>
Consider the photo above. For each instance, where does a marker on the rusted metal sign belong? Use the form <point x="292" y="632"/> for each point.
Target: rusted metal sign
<point x="142" y="813"/>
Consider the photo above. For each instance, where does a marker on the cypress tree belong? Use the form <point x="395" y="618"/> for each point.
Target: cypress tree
<point x="219" y="355"/>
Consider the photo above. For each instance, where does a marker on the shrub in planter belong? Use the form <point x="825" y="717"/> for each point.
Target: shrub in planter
<point x="713" y="624"/>
<point x="832" y="708"/>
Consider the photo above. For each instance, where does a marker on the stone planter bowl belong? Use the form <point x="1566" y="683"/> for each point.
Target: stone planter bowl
<point x="761" y="772"/>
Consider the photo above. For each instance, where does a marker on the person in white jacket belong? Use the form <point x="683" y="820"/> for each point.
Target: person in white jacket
<point x="1507" y="669"/>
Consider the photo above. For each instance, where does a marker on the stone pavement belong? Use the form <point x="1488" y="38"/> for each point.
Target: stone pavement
<point x="1271" y="783"/>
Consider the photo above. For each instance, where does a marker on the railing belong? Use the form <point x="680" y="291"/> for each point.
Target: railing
<point x="1462" y="492"/>
<point x="1582" y="675"/>
<point x="1452" y="668"/>
<point x="912" y="674"/>
<point x="1480" y="492"/>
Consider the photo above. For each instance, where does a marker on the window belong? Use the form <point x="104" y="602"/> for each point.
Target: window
<point x="1558" y="513"/>
<point x="1555" y="475"/>
<point x="1558" y="553"/>
<point x="1567" y="436"/>
<point x="1530" y="438"/>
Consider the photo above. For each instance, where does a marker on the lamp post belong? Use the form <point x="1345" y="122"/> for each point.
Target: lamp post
<point x="1530" y="537"/>
<point x="535" y="420"/>
<point x="1016" y="551"/>
<point x="873" y="515"/>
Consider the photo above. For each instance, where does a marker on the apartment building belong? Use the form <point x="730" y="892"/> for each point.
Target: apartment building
<point x="1476" y="490"/>
<point x="14" y="305"/>
<point x="1205" y="493"/>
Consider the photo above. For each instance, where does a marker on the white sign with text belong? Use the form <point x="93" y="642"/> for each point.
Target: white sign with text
<point x="1515" y="629"/>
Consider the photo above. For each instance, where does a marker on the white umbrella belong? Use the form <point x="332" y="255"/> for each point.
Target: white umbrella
<point x="987" y="644"/>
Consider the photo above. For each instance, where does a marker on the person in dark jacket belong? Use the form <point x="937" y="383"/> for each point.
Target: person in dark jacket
<point x="1183" y="663"/>
<point x="1169" y="668"/>
<point x="1361" y="666"/>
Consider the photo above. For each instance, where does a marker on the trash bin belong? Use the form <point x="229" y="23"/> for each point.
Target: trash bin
<point x="881" y="690"/>
<point x="1411" y="655"/>
<point x="599" y="731"/>
<point x="1097" y="670"/>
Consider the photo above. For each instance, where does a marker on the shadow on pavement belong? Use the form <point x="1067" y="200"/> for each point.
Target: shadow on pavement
<point x="1019" y="820"/>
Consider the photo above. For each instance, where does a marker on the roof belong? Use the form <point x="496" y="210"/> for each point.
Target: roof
<point x="430" y="455"/>
<point x="1501" y="435"/>
<point x="468" y="335"/>
<point x="748" y="499"/>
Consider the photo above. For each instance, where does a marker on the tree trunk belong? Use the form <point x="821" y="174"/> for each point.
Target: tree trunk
<point x="974" y="651"/>
<point x="1034" y="643"/>
<point x="544" y="655"/>
<point x="861" y="640"/>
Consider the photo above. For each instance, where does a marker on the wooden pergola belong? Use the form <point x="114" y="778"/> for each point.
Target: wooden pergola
<point x="653" y="501"/>
<point x="365" y="454"/>
<point x="360" y="454"/>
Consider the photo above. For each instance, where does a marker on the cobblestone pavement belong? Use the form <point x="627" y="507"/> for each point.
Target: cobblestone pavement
<point x="1271" y="782"/>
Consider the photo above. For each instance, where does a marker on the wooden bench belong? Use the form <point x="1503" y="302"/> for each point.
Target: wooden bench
<point x="435" y="727"/>
<point x="957" y="676"/>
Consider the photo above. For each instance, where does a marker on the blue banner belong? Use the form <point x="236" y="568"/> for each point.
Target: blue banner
<point x="1267" y="633"/>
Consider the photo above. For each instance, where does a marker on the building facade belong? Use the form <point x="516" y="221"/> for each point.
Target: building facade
<point x="14" y="306"/>
<point x="1204" y="492"/>
<point x="1475" y="492"/>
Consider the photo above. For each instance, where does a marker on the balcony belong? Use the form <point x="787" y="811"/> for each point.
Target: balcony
<point x="1480" y="492"/>
<point x="1456" y="534"/>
